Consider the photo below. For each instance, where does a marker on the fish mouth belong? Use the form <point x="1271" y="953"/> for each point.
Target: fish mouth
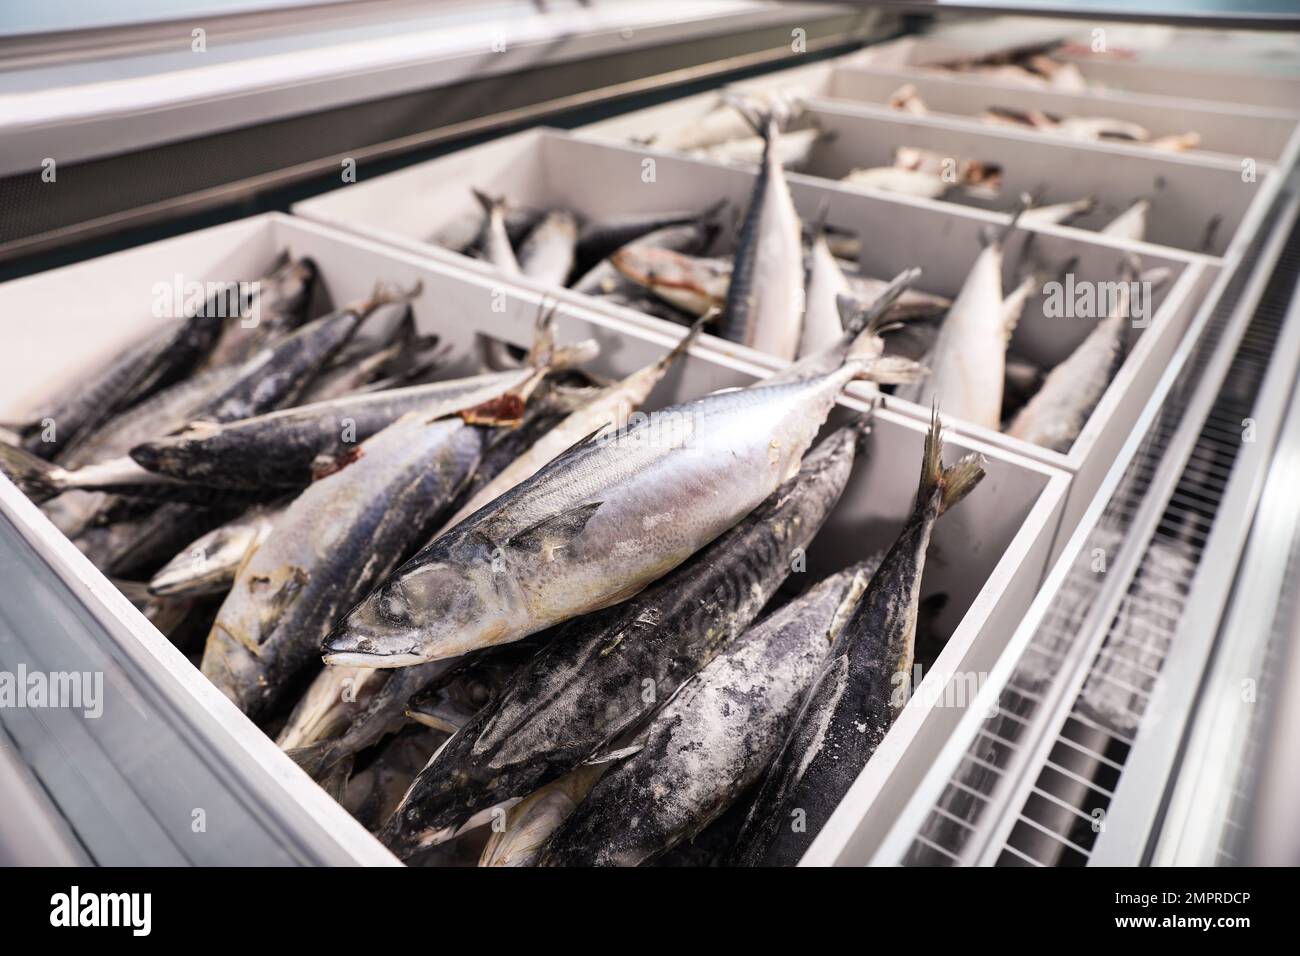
<point x="372" y="659"/>
<point x="366" y="645"/>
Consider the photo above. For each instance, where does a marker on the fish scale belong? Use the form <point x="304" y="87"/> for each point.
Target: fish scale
<point x="587" y="686"/>
<point x="333" y="542"/>
<point x="712" y="741"/>
<point x="858" y="693"/>
<point x="573" y="538"/>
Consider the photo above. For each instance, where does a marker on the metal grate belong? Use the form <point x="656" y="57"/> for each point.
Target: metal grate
<point x="1072" y="785"/>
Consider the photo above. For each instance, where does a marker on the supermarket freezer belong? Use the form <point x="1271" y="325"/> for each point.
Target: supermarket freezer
<point x="1070" y="767"/>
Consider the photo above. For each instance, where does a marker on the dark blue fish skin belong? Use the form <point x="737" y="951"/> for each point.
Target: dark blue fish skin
<point x="862" y="688"/>
<point x="589" y="684"/>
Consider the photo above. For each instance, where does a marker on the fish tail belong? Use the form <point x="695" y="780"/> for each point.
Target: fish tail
<point x="889" y="369"/>
<point x="38" y="479"/>
<point x="542" y="352"/>
<point x="998" y="237"/>
<point x="489" y="203"/>
<point x="952" y="484"/>
<point x="335" y="780"/>
<point x="859" y="319"/>
<point x="960" y="479"/>
<point x="317" y="759"/>
<point x="691" y="335"/>
<point x="387" y="294"/>
<point x="931" y="458"/>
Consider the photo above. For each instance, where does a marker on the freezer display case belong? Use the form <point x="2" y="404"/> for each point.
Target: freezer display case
<point x="1091" y="666"/>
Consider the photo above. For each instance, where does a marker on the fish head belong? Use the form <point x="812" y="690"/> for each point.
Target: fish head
<point x="430" y="611"/>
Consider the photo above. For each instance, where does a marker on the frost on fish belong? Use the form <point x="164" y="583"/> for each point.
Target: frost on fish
<point x="1058" y="411"/>
<point x="861" y="689"/>
<point x="766" y="290"/>
<point x="712" y="741"/>
<point x="601" y="675"/>
<point x="571" y="539"/>
<point x="330" y="546"/>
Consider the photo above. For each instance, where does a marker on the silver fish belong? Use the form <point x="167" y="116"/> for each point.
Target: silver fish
<point x="547" y="721"/>
<point x="1056" y="414"/>
<point x="693" y="284"/>
<point x="592" y="527"/>
<point x="547" y="255"/>
<point x="692" y="238"/>
<point x="765" y="297"/>
<point x="332" y="544"/>
<point x="612" y="406"/>
<point x="208" y="565"/>
<point x="968" y="361"/>
<point x="826" y="283"/>
<point x="495" y="244"/>
<point x="530" y="823"/>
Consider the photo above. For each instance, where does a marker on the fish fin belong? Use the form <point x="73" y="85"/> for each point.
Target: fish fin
<point x="589" y="439"/>
<point x="951" y="484"/>
<point x="335" y="780"/>
<point x="997" y="236"/>
<point x="555" y="532"/>
<point x="542" y="351"/>
<point x="751" y="114"/>
<point x="960" y="479"/>
<point x="35" y="477"/>
<point x="612" y="756"/>
<point x="684" y="343"/>
<point x="891" y="370"/>
<point x="316" y="759"/>
<point x="488" y="203"/>
<point x="859" y="319"/>
<point x="579" y="353"/>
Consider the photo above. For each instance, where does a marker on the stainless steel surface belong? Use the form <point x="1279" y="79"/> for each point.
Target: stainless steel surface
<point x="1260" y="15"/>
<point x="32" y="833"/>
<point x="1241" y="727"/>
<point x="1239" y="439"/>
<point x="1033" y="782"/>
<point x="206" y="169"/>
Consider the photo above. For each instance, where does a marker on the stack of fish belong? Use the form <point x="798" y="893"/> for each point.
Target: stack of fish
<point x="499" y="599"/>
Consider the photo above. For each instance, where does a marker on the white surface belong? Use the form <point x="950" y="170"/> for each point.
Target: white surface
<point x="72" y="112"/>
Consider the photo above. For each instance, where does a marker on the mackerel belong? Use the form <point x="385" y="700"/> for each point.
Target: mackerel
<point x="330" y="547"/>
<point x="612" y="406"/>
<point x="861" y="688"/>
<point x="208" y="565"/>
<point x="968" y="361"/>
<point x="548" y="720"/>
<point x="765" y="296"/>
<point x="712" y="741"/>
